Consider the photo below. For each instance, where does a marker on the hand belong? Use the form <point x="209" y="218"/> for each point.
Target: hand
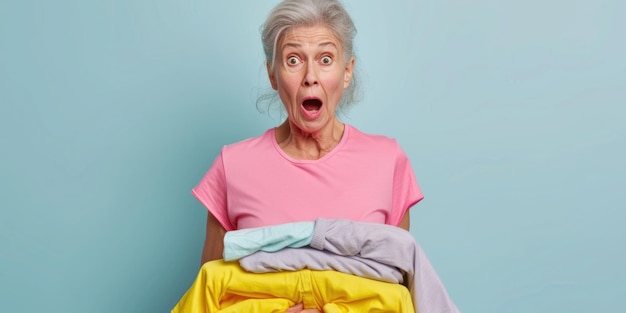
<point x="299" y="308"/>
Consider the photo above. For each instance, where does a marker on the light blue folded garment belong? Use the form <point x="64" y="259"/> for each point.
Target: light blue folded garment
<point x="243" y="242"/>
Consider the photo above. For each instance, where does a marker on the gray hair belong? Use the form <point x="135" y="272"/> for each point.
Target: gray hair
<point x="294" y="13"/>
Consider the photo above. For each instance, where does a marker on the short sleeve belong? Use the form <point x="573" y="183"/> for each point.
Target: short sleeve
<point x="406" y="191"/>
<point x="211" y="192"/>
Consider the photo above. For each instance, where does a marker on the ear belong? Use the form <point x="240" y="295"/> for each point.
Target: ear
<point x="271" y="76"/>
<point x="347" y="76"/>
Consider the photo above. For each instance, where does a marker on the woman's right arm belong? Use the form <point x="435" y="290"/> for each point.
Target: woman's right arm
<point x="214" y="240"/>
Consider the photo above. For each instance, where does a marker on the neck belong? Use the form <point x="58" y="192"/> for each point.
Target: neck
<point x="308" y="146"/>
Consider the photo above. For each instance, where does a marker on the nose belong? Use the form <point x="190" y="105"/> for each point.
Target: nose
<point x="310" y="75"/>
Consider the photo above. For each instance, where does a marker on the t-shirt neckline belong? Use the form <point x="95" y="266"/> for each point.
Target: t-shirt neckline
<point x="279" y="150"/>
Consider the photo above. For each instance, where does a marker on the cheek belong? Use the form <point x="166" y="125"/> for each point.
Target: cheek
<point x="288" y="84"/>
<point x="335" y="83"/>
<point x="287" y="91"/>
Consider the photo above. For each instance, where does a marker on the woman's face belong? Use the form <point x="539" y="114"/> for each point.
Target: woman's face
<point x="310" y="74"/>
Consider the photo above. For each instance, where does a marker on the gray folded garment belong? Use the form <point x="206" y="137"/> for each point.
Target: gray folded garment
<point x="294" y="259"/>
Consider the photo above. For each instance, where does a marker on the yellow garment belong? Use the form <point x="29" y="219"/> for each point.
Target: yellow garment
<point x="226" y="288"/>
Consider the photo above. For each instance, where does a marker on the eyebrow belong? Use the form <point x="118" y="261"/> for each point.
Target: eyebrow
<point x="297" y="45"/>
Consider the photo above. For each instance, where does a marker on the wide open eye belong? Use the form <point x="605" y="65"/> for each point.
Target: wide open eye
<point x="326" y="60"/>
<point x="293" y="61"/>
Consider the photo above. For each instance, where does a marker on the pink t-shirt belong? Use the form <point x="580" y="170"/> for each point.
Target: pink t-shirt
<point x="254" y="183"/>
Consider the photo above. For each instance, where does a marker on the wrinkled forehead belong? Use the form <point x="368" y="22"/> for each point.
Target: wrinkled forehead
<point x="316" y="35"/>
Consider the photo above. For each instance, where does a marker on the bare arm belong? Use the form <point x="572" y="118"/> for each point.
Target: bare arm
<point x="405" y="223"/>
<point x="214" y="240"/>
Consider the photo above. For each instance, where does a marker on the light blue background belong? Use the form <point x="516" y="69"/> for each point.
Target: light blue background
<point x="512" y="113"/>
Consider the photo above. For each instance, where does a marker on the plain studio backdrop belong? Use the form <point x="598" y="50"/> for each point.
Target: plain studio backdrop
<point x="512" y="113"/>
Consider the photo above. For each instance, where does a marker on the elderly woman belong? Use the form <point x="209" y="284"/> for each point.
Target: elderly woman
<point x="311" y="166"/>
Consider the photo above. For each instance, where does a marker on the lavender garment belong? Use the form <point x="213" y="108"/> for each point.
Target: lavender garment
<point x="388" y="245"/>
<point x="292" y="259"/>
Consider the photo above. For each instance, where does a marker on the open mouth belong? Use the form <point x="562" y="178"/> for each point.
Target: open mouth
<point x="312" y="105"/>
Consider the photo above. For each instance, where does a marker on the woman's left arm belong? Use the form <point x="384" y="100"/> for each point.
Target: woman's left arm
<point x="405" y="223"/>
